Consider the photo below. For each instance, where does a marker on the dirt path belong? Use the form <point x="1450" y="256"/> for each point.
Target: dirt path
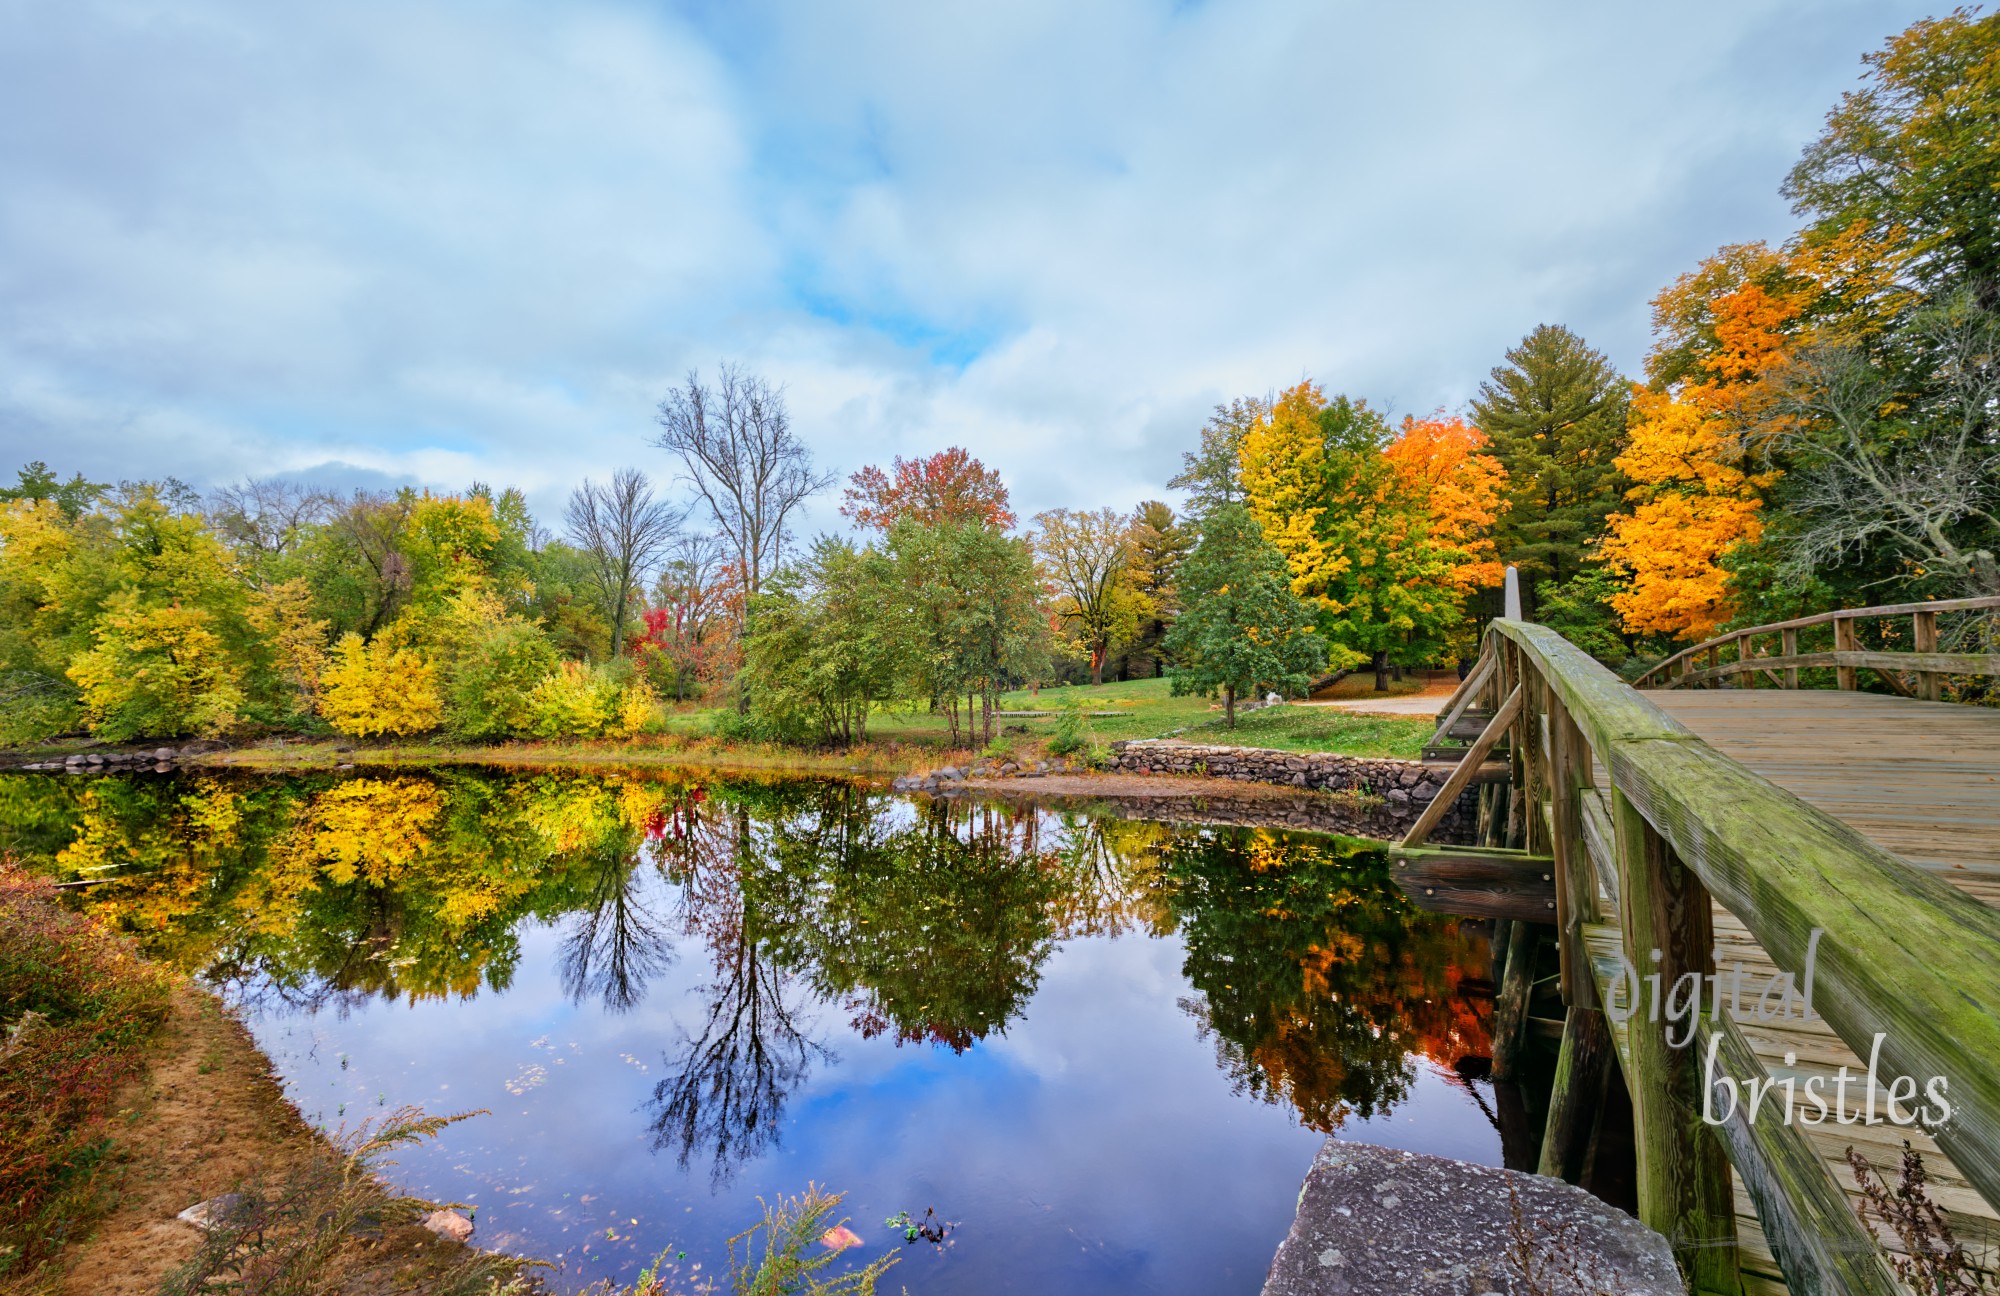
<point x="206" y="1117"/>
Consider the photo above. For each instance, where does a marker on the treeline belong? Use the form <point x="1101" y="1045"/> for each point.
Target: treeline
<point x="1816" y="426"/>
<point x="1815" y="429"/>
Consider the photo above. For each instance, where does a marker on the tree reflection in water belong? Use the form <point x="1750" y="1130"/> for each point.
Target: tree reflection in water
<point x="1321" y="983"/>
<point x="928" y="923"/>
<point x="615" y="943"/>
<point x="727" y="1085"/>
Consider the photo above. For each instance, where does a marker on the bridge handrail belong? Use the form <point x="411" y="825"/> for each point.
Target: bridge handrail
<point x="1902" y="953"/>
<point x="1847" y="658"/>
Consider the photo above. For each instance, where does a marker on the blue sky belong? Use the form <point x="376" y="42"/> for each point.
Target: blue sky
<point x="438" y="241"/>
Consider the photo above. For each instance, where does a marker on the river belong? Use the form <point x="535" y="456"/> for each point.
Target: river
<point x="1101" y="1051"/>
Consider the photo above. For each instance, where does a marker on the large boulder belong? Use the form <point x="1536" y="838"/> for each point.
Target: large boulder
<point x="1375" y="1221"/>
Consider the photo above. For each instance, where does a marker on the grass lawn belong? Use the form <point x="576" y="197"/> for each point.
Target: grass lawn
<point x="1148" y="709"/>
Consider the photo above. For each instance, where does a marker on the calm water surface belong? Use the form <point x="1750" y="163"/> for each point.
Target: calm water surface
<point x="1106" y="1050"/>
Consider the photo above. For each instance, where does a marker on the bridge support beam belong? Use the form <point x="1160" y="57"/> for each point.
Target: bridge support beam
<point x="1683" y="1168"/>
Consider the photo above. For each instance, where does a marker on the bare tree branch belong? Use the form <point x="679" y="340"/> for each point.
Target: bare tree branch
<point x="624" y="529"/>
<point x="737" y="450"/>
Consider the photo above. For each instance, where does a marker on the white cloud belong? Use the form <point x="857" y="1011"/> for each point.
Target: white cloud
<point x="444" y="240"/>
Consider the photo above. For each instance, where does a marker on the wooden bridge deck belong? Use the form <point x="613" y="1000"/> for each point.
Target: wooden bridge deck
<point x="1922" y="779"/>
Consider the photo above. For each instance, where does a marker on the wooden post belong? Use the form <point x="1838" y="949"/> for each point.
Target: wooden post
<point x="1583" y="1068"/>
<point x="1467" y="768"/>
<point x="1844" y="641"/>
<point x="1683" y="1169"/>
<point x="1744" y="678"/>
<point x="1926" y="641"/>
<point x="1714" y="660"/>
<point x="1510" y="1008"/>
<point x="1791" y="642"/>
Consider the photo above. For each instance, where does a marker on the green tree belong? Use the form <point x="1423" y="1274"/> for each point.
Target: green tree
<point x="1911" y="161"/>
<point x="1241" y="628"/>
<point x="1159" y="544"/>
<point x="1554" y="416"/>
<point x="38" y="483"/>
<point x="1211" y="474"/>
<point x="972" y="620"/>
<point x="821" y="649"/>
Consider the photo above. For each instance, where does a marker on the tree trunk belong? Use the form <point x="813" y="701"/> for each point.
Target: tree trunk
<point x="986" y="708"/>
<point x="1382" y="671"/>
<point x="1229" y="703"/>
<point x="1097" y="665"/>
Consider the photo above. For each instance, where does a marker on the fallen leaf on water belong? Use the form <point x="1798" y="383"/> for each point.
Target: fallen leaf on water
<point x="840" y="1237"/>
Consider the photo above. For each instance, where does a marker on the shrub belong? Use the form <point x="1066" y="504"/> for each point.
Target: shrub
<point x="77" y="1006"/>
<point x="376" y="688"/>
<point x="637" y="707"/>
<point x="1072" y="730"/>
<point x="573" y="701"/>
<point x="493" y="681"/>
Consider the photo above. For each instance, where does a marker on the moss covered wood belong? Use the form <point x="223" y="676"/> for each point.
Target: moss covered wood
<point x="1683" y="1169"/>
<point x="1902" y="954"/>
<point x="1807" y="1220"/>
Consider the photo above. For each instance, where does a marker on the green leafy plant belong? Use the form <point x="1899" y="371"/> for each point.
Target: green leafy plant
<point x="1072" y="729"/>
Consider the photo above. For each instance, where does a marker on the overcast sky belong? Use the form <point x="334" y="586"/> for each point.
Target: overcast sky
<point x="433" y="242"/>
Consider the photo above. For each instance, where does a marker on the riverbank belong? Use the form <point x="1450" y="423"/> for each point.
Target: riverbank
<point x="900" y="741"/>
<point x="129" y="1095"/>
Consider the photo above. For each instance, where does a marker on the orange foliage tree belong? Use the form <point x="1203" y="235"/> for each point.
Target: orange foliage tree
<point x="949" y="486"/>
<point x="1442" y="464"/>
<point x="1722" y="332"/>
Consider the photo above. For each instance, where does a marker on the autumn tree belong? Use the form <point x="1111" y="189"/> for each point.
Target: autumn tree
<point x="1241" y="629"/>
<point x="1084" y="557"/>
<point x="379" y="687"/>
<point x="947" y="487"/>
<point x="1697" y="493"/>
<point x="1908" y="162"/>
<point x="687" y="640"/>
<point x="1442" y="465"/>
<point x="1554" y="417"/>
<point x="157" y="671"/>
<point x="1355" y="535"/>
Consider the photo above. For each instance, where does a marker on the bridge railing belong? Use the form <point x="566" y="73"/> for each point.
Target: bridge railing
<point x="1642" y="823"/>
<point x="1894" y="641"/>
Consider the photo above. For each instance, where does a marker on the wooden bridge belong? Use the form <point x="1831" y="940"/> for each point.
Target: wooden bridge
<point x="1719" y="837"/>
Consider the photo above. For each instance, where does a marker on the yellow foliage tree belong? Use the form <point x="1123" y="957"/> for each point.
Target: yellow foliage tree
<point x="156" y="672"/>
<point x="282" y="616"/>
<point x="378" y="688"/>
<point x="1284" y="470"/>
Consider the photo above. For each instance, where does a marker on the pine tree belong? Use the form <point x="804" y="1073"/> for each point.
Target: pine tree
<point x="1554" y="416"/>
<point x="1242" y="628"/>
<point x="1160" y="543"/>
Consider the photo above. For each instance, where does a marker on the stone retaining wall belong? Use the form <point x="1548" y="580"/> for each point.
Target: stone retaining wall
<point x="1406" y="787"/>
